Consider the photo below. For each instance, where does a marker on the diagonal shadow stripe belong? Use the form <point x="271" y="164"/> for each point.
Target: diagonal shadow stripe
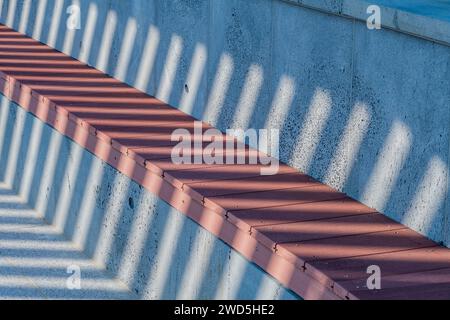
<point x="35" y="257"/>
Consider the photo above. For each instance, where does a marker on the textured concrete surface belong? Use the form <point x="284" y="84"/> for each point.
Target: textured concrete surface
<point x="366" y="111"/>
<point x="60" y="206"/>
<point x="427" y="19"/>
<point x="434" y="8"/>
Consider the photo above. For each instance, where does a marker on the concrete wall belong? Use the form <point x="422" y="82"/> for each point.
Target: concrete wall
<point x="432" y="8"/>
<point x="157" y="252"/>
<point x="366" y="111"/>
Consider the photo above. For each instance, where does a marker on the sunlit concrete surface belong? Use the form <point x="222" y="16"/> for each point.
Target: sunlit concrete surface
<point x="35" y="259"/>
<point x="61" y="207"/>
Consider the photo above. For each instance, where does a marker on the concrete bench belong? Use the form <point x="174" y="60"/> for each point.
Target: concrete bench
<point x="313" y="239"/>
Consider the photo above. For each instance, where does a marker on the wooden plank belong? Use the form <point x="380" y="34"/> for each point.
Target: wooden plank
<point x="272" y="198"/>
<point x="299" y="212"/>
<point x="354" y="246"/>
<point x="428" y="285"/>
<point x="406" y="261"/>
<point x="324" y="229"/>
<point x="220" y="172"/>
<point x="251" y="184"/>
